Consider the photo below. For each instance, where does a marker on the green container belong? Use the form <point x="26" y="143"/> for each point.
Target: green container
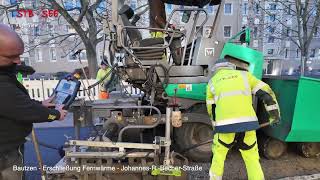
<point x="188" y="91"/>
<point x="299" y="105"/>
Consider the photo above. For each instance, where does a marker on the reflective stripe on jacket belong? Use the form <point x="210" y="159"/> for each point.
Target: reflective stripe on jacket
<point x="231" y="91"/>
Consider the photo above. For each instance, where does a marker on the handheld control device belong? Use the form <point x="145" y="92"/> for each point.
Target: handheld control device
<point x="65" y="92"/>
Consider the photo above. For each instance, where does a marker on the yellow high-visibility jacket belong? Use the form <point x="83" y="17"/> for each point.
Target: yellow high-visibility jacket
<point x="101" y="74"/>
<point x="230" y="91"/>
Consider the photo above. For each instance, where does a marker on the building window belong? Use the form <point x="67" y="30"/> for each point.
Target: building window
<point x="71" y="57"/>
<point x="316" y="32"/>
<point x="133" y="4"/>
<point x="286" y="53"/>
<point x="13" y="2"/>
<point x="70" y="29"/>
<point x="101" y="54"/>
<point x="297" y="53"/>
<point x="273" y="6"/>
<point x="53" y="54"/>
<point x="314" y="12"/>
<point x="270" y="39"/>
<point x="101" y="8"/>
<point x="256" y="8"/>
<point x="200" y="29"/>
<point x="169" y="8"/>
<point x="302" y="9"/>
<point x="289" y="9"/>
<point x="244" y="20"/>
<point x="26" y="61"/>
<point x="36" y="31"/>
<point x="227" y="31"/>
<point x="272" y="17"/>
<point x="245" y="9"/>
<point x="181" y="13"/>
<point x="68" y="5"/>
<point x="313" y="53"/>
<point x="255" y="32"/>
<point x="35" y="4"/>
<point x="52" y="43"/>
<point x="207" y="31"/>
<point x="50" y="28"/>
<point x="38" y="55"/>
<point x="228" y="9"/>
<point x="287" y="44"/>
<point x="83" y="55"/>
<point x="15" y="27"/>
<point x="271" y="29"/>
<point x="288" y="32"/>
<point x="270" y="52"/>
<point x="255" y="43"/>
<point x="14" y="13"/>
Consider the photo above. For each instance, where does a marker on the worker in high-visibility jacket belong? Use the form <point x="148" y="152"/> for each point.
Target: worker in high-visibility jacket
<point x="103" y="75"/>
<point x="229" y="104"/>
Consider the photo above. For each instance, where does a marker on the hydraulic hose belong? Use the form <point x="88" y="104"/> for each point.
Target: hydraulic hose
<point x="210" y="141"/>
<point x="196" y="145"/>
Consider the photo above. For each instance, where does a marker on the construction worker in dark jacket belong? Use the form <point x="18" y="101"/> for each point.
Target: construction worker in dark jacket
<point x="17" y="111"/>
<point x="229" y="104"/>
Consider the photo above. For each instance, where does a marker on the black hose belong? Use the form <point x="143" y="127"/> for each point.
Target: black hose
<point x="195" y="146"/>
<point x="150" y="73"/>
<point x="109" y="83"/>
<point x="102" y="79"/>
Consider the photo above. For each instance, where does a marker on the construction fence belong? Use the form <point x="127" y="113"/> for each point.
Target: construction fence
<point x="42" y="89"/>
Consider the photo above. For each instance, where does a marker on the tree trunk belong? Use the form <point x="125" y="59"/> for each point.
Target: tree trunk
<point x="92" y="61"/>
<point x="304" y="59"/>
<point x="302" y="65"/>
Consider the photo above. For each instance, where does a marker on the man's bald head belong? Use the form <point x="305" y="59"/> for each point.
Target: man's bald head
<point x="11" y="46"/>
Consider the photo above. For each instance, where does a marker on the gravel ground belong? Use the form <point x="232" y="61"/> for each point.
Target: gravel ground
<point x="309" y="177"/>
<point x="287" y="167"/>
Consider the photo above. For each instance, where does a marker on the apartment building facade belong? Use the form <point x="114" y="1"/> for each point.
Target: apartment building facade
<point x="273" y="26"/>
<point x="268" y="35"/>
<point x="51" y="57"/>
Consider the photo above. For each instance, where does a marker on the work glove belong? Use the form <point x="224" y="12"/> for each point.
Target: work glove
<point x="274" y="117"/>
<point x="172" y="26"/>
<point x="275" y="123"/>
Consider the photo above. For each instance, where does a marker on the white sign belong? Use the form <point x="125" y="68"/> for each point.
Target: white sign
<point x="209" y="52"/>
<point x="189" y="87"/>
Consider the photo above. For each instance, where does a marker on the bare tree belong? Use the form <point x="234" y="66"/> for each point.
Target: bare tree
<point x="87" y="14"/>
<point x="4" y="10"/>
<point x="86" y="18"/>
<point x="305" y="18"/>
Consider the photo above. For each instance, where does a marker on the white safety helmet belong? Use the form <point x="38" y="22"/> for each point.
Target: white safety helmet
<point x="222" y="64"/>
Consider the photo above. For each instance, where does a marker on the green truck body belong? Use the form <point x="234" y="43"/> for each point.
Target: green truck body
<point x="198" y="91"/>
<point x="298" y="100"/>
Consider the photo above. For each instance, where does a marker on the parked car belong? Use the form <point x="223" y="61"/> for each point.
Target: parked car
<point x="41" y="76"/>
<point x="61" y="74"/>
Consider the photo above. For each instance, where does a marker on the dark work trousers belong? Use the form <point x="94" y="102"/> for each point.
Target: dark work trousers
<point x="8" y="161"/>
